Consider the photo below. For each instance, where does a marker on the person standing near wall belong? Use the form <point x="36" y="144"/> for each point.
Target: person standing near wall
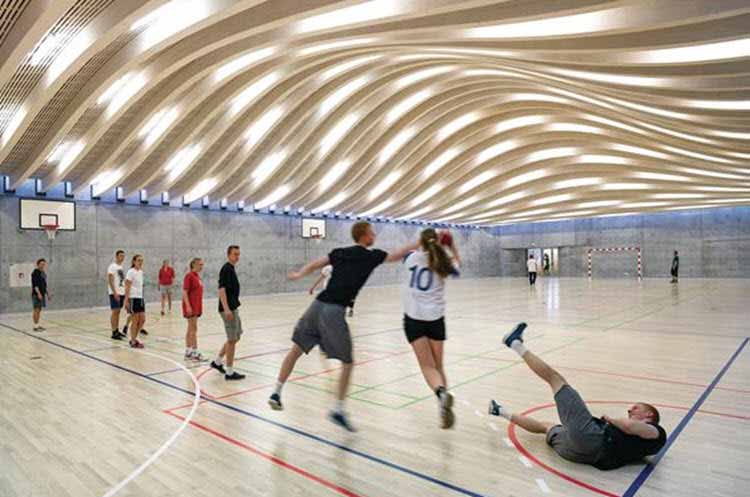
<point x="531" y="266"/>
<point x="192" y="308"/>
<point x="166" y="280"/>
<point x="39" y="292"/>
<point x="675" y="267"/>
<point x="116" y="290"/>
<point x="229" y="303"/>
<point x="135" y="304"/>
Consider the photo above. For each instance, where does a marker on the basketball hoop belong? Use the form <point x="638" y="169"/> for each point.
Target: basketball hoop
<point x="51" y="230"/>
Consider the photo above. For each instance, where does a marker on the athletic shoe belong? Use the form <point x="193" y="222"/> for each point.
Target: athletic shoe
<point x="125" y="331"/>
<point x="351" y="313"/>
<point x="494" y="409"/>
<point x="275" y="402"/>
<point x="116" y="335"/>
<point x="234" y="376"/>
<point x="42" y="328"/>
<point x="516" y="334"/>
<point x="197" y="356"/>
<point x="218" y="367"/>
<point x="136" y="344"/>
<point x="162" y="313"/>
<point x="144" y="332"/>
<point x="339" y="418"/>
<point x="37" y="328"/>
<point x="446" y="411"/>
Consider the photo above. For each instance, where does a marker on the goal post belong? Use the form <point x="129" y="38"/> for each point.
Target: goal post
<point x="636" y="250"/>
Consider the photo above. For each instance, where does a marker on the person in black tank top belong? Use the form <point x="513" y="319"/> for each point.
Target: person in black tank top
<point x="324" y="323"/>
<point x="605" y="443"/>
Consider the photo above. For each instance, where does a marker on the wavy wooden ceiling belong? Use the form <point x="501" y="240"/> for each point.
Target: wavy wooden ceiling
<point x="477" y="112"/>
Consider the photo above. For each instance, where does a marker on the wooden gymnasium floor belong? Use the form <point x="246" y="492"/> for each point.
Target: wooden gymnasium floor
<point x="81" y="413"/>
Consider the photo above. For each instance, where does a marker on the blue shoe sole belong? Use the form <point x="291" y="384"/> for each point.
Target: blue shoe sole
<point x="516" y="334"/>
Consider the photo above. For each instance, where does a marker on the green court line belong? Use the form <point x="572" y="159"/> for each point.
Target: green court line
<point x="490" y="373"/>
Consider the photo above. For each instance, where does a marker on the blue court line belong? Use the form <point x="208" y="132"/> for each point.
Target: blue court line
<point x="238" y="410"/>
<point x="646" y="471"/>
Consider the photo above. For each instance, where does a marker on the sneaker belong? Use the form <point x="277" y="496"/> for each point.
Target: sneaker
<point x="41" y="328"/>
<point x="494" y="409"/>
<point x="234" y="376"/>
<point x="339" y="418"/>
<point x="37" y="328"/>
<point x="516" y="334"/>
<point x="162" y="313"/>
<point x="351" y="313"/>
<point x="116" y="335"/>
<point x="197" y="356"/>
<point x="144" y="332"/>
<point x="218" y="367"/>
<point x="446" y="411"/>
<point x="124" y="331"/>
<point x="275" y="402"/>
<point x="136" y="344"/>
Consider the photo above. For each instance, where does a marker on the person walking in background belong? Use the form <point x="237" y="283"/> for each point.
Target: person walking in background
<point x="166" y="280"/>
<point x="39" y="292"/>
<point x="532" y="267"/>
<point x="675" y="267"/>
<point x="192" y="308"/>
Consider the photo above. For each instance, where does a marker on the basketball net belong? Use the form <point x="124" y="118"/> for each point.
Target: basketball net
<point x="51" y="230"/>
<point x="317" y="238"/>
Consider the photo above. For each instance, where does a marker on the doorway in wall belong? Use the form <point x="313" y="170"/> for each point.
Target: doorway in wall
<point x="547" y="258"/>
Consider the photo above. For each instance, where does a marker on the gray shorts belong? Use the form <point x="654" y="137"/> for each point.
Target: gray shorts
<point x="325" y="325"/>
<point x="580" y="438"/>
<point x="165" y="289"/>
<point x="233" y="327"/>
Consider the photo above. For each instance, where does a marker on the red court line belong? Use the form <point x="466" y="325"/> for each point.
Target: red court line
<point x="293" y="379"/>
<point x="571" y="479"/>
<point x="269" y="457"/>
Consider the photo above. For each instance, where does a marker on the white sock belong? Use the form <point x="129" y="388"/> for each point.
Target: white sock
<point x="229" y="370"/>
<point x="339" y="407"/>
<point x="505" y="413"/>
<point x="219" y="361"/>
<point x="277" y="389"/>
<point x="518" y="347"/>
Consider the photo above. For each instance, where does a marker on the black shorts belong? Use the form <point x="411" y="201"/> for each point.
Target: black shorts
<point x="136" y="306"/>
<point x="116" y="303"/>
<point x="414" y="328"/>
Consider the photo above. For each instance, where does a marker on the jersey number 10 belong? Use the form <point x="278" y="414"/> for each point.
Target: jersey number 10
<point x="418" y="280"/>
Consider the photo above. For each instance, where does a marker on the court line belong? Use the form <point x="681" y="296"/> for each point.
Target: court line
<point x="280" y="462"/>
<point x="646" y="472"/>
<point x="291" y="429"/>
<point x="270" y="352"/>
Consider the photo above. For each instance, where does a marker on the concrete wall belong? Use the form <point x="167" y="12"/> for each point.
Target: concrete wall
<point x="271" y="246"/>
<point x="713" y="243"/>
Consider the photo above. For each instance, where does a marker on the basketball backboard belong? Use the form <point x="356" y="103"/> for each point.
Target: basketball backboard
<point x="36" y="213"/>
<point x="312" y="228"/>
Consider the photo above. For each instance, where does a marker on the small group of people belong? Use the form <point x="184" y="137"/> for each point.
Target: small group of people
<point x="605" y="442"/>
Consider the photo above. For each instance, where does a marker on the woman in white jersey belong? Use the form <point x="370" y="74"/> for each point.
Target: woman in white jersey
<point x="424" y="311"/>
<point x="134" y="301"/>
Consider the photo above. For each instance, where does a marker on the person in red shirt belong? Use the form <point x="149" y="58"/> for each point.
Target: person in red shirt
<point x="192" y="308"/>
<point x="166" y="279"/>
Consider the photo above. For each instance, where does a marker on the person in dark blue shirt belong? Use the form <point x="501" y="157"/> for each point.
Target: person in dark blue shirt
<point x="39" y="292"/>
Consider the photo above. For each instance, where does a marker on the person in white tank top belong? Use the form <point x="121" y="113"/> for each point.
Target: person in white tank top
<point x="422" y="295"/>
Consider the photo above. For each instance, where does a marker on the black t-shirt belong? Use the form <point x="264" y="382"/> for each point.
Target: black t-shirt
<point x="675" y="263"/>
<point x="621" y="449"/>
<point x="38" y="280"/>
<point x="229" y="282"/>
<point x="351" y="268"/>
